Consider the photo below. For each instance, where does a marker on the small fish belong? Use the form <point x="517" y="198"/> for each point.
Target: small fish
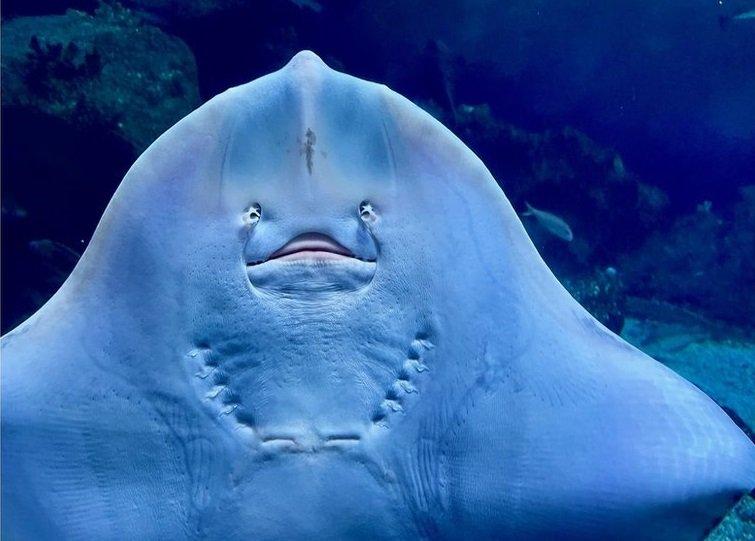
<point x="54" y="250"/>
<point x="618" y="166"/>
<point x="550" y="222"/>
<point x="55" y="256"/>
<point x="309" y="4"/>
<point x="12" y="210"/>
<point x="705" y="206"/>
<point x="725" y="20"/>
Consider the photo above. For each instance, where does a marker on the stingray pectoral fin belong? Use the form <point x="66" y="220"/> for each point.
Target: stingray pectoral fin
<point x="79" y="442"/>
<point x="637" y="453"/>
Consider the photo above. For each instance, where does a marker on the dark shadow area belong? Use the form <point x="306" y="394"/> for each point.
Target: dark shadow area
<point x="56" y="184"/>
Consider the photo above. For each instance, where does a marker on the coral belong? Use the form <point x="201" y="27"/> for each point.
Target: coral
<point x="83" y="95"/>
<point x="567" y="173"/>
<point x="73" y="64"/>
<point x="703" y="262"/>
<point x="48" y="63"/>
<point x="602" y="294"/>
<point x="179" y="10"/>
<point x="739" y="522"/>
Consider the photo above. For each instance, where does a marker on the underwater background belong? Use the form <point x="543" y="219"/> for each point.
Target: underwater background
<point x="627" y="127"/>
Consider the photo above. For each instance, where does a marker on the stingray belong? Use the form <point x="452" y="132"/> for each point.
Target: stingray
<point x="309" y="312"/>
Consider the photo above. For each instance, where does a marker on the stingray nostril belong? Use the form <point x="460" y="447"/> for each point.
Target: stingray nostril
<point x="254" y="213"/>
<point x="367" y="212"/>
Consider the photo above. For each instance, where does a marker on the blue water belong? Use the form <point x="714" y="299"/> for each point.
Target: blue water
<point x="631" y="122"/>
<point x="656" y="95"/>
<point x="634" y="122"/>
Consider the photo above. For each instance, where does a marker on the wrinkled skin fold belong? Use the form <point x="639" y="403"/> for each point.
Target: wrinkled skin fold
<point x="309" y="312"/>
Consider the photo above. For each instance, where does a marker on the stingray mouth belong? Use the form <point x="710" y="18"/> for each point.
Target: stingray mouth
<point x="310" y="246"/>
<point x="312" y="262"/>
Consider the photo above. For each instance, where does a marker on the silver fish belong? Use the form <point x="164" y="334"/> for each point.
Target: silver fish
<point x="744" y="16"/>
<point x="309" y="4"/>
<point x="725" y="20"/>
<point x="53" y="250"/>
<point x="550" y="222"/>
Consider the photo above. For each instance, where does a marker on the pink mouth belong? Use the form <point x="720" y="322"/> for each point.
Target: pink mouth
<point x="312" y="246"/>
<point x="311" y="265"/>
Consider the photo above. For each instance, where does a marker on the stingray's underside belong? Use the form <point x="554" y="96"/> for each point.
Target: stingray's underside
<point x="310" y="312"/>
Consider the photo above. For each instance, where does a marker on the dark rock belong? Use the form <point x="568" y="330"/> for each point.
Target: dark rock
<point x="73" y="67"/>
<point x="566" y="173"/>
<point x="704" y="262"/>
<point x="57" y="180"/>
<point x="83" y="95"/>
<point x="181" y="11"/>
<point x="739" y="522"/>
<point x="602" y="294"/>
